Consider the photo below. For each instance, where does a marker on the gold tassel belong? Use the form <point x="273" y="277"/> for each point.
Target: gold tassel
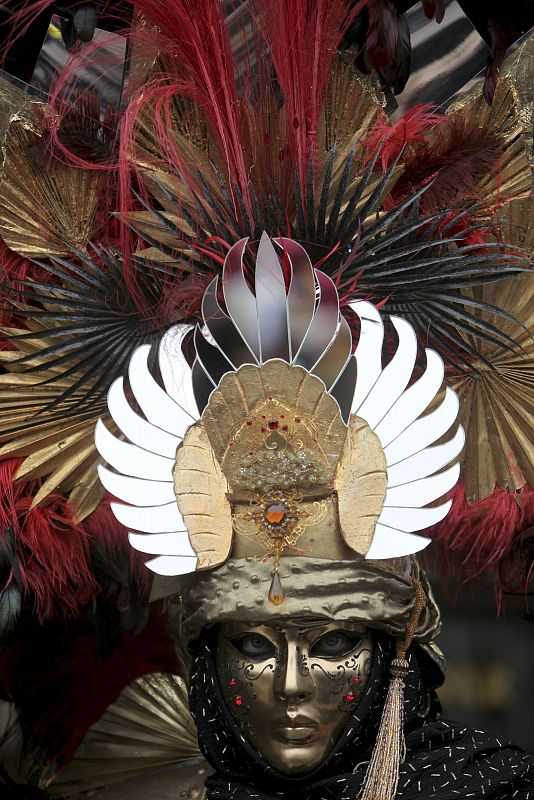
<point x="382" y="776"/>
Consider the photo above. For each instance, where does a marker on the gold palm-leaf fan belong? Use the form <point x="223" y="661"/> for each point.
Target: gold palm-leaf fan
<point x="511" y="114"/>
<point x="179" y="213"/>
<point x="58" y="449"/>
<point x="14" y="103"/>
<point x="69" y="336"/>
<point x="46" y="207"/>
<point x="147" y="728"/>
<point x="352" y="106"/>
<point x="497" y="395"/>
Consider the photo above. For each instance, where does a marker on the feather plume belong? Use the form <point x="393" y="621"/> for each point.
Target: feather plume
<point x="411" y="128"/>
<point x="382" y="32"/>
<point x="194" y="39"/>
<point x="454" y="154"/>
<point x="45" y="549"/>
<point x="302" y="42"/>
<point x="74" y="686"/>
<point x="492" y="536"/>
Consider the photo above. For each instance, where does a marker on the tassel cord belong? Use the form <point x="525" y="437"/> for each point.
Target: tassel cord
<point x="382" y="776"/>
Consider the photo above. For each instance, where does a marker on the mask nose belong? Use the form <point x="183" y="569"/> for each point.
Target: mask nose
<point x="293" y="681"/>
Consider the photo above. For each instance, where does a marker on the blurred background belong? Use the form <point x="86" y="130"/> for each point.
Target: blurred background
<point x="490" y="663"/>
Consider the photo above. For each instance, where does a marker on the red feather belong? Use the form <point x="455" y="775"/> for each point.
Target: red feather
<point x="454" y="154"/>
<point x="412" y="127"/>
<point x="476" y="538"/>
<point x="302" y="41"/>
<point x="381" y="40"/>
<point x="51" y="547"/>
<point x="58" y="702"/>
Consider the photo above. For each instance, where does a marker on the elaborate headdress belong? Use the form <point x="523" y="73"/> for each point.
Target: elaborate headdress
<point x="299" y="438"/>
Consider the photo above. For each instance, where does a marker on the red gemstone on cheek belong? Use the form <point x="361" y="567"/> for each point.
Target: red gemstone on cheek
<point x="238" y="701"/>
<point x="350" y="697"/>
<point x="355" y="680"/>
<point x="232" y="681"/>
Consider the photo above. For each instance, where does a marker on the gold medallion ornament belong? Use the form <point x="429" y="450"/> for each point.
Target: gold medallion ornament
<point x="279" y="519"/>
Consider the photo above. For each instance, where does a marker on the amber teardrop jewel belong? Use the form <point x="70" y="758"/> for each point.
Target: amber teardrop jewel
<point x="276" y="592"/>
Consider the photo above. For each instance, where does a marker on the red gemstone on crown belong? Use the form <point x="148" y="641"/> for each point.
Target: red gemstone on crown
<point x="273" y="424"/>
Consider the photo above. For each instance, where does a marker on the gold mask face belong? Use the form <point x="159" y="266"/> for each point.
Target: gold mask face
<point x="291" y="687"/>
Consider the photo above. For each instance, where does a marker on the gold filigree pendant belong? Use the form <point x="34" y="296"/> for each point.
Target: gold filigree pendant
<point x="279" y="518"/>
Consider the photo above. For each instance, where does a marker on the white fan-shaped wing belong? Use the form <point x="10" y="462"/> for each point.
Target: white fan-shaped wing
<point x="176" y="372"/>
<point x="369" y="350"/>
<point x="137" y="429"/>
<point x="413" y="401"/>
<point x="413" y="519"/>
<point x="145" y="464"/>
<point x="392" y="543"/>
<point x="424" y="431"/>
<point x="172" y="565"/>
<point x="418" y="493"/>
<point x="157" y="406"/>
<point x="150" y="519"/>
<point x="129" y="459"/>
<point x="393" y="412"/>
<point x="172" y="543"/>
<point x="394" y="378"/>
<point x="427" y="461"/>
<point x="137" y="491"/>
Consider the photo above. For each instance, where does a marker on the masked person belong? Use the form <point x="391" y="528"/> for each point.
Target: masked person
<point x="302" y="491"/>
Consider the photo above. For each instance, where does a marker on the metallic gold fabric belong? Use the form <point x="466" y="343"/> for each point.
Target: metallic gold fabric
<point x="324" y="589"/>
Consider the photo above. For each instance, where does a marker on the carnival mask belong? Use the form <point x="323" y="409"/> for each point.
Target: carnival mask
<point x="292" y="686"/>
